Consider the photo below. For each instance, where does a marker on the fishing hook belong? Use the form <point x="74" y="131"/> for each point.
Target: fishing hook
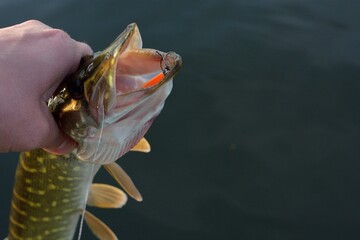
<point x="165" y="69"/>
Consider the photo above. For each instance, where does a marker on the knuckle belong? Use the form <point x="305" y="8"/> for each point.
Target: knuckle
<point x="34" y="22"/>
<point x="61" y="41"/>
<point x="58" y="35"/>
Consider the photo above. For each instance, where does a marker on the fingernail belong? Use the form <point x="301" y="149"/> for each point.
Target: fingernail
<point x="65" y="147"/>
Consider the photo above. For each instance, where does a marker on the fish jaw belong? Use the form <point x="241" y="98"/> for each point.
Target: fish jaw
<point x="124" y="69"/>
<point x="119" y="100"/>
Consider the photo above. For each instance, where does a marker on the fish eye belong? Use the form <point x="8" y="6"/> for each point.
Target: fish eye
<point x="76" y="89"/>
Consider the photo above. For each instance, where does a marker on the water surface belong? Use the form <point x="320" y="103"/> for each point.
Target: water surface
<point x="260" y="138"/>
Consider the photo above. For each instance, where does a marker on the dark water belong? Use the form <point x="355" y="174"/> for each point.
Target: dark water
<point x="260" y="138"/>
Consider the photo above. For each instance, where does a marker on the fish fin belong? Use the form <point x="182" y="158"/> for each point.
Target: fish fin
<point x="124" y="180"/>
<point x="142" y="146"/>
<point x="99" y="228"/>
<point x="106" y="196"/>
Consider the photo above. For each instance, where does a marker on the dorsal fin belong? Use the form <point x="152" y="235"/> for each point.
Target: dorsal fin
<point x="142" y="146"/>
<point x="106" y="196"/>
<point x="98" y="228"/>
<point x="124" y="180"/>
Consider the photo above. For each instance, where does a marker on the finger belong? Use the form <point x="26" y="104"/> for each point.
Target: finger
<point x="84" y="49"/>
<point x="72" y="61"/>
<point x="81" y="50"/>
<point x="58" y="142"/>
<point x="55" y="141"/>
<point x="65" y="147"/>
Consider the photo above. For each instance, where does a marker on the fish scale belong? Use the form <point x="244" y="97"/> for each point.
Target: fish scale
<point x="40" y="176"/>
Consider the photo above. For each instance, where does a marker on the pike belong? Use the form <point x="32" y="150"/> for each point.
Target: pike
<point x="106" y="106"/>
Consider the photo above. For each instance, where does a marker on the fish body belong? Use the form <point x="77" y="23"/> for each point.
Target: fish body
<point x="48" y="195"/>
<point x="106" y="106"/>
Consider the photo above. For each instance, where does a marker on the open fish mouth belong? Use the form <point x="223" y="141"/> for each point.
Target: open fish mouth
<point x="138" y="68"/>
<point x="153" y="69"/>
<point x="125" y="68"/>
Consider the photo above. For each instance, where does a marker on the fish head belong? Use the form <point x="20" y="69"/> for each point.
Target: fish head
<point x="124" y="88"/>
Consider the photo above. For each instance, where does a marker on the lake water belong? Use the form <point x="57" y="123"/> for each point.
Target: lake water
<point x="260" y="137"/>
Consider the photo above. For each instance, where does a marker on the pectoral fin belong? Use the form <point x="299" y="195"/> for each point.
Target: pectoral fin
<point x="124" y="180"/>
<point x="98" y="228"/>
<point x="142" y="146"/>
<point x="106" y="196"/>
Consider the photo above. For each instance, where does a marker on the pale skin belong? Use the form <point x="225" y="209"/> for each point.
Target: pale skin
<point x="34" y="59"/>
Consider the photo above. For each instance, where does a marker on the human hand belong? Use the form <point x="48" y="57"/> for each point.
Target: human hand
<point x="34" y="59"/>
